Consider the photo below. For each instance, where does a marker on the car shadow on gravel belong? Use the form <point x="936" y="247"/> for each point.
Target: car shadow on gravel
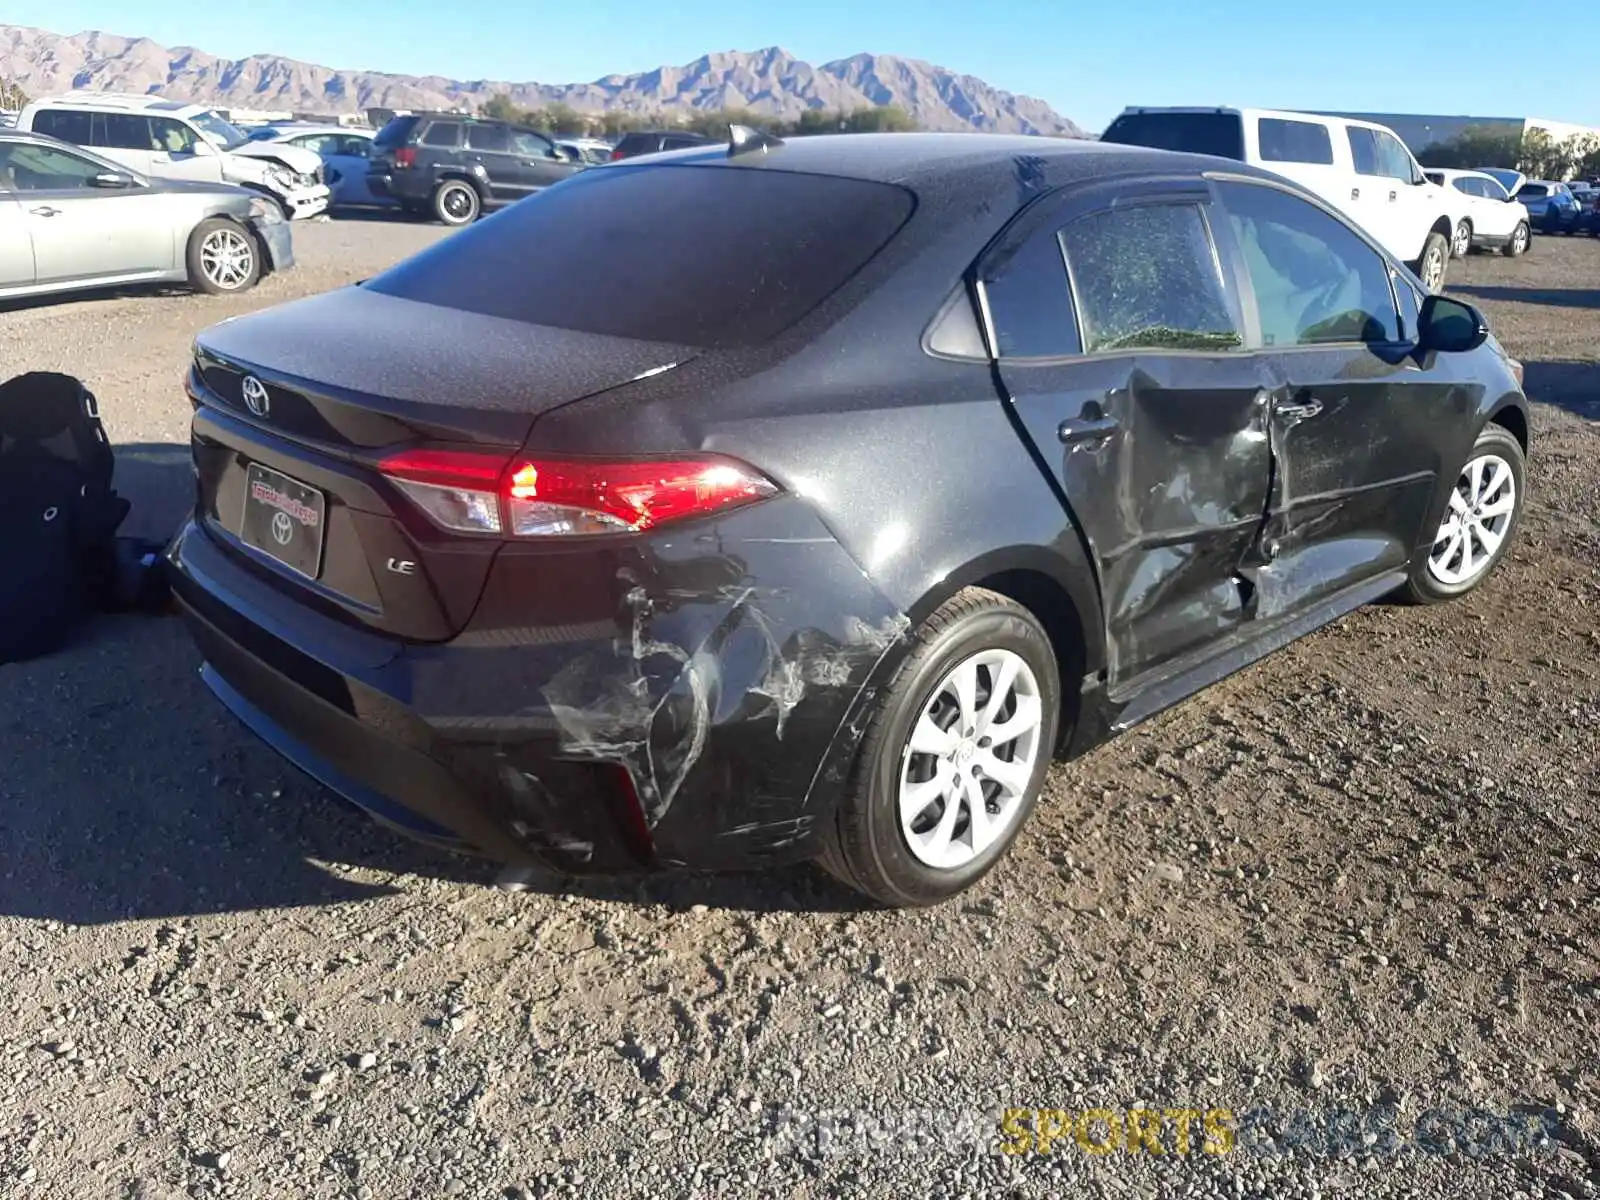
<point x="1553" y="297"/>
<point x="1572" y="385"/>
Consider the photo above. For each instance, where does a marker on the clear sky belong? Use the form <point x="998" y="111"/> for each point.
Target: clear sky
<point x="1482" y="58"/>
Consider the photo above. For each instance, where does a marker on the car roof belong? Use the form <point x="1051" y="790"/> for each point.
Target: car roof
<point x="119" y="102"/>
<point x="1280" y="113"/>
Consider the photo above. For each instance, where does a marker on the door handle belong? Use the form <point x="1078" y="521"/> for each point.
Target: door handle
<point x="1086" y="432"/>
<point x="1355" y="193"/>
<point x="44" y="210"/>
<point x="1391" y="195"/>
<point x="1303" y="407"/>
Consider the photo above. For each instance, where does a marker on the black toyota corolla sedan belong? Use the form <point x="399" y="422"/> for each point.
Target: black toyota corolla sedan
<point x="774" y="501"/>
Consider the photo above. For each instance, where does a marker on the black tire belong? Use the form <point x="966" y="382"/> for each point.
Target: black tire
<point x="1424" y="586"/>
<point x="456" y="202"/>
<point x="1435" y="247"/>
<point x="864" y="845"/>
<point x="1461" y="242"/>
<point x="1521" y="239"/>
<point x="212" y="239"/>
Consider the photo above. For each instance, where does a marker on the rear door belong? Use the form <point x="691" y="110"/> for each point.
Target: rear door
<point x="489" y="146"/>
<point x="80" y="232"/>
<point x="1355" y="419"/>
<point x="1135" y="393"/>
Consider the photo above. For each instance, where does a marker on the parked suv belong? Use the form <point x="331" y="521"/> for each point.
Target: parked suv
<point x="654" y="142"/>
<point x="1493" y="219"/>
<point x="168" y="139"/>
<point x="457" y="167"/>
<point x="1362" y="169"/>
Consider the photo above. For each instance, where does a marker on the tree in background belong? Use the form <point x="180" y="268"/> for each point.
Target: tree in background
<point x="564" y="121"/>
<point x="1535" y="153"/>
<point x="12" y="96"/>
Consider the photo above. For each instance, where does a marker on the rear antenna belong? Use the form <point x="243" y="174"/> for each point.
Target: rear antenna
<point x="744" y="140"/>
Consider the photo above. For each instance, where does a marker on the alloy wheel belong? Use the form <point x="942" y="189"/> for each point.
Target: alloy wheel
<point x="969" y="760"/>
<point x="1519" y="239"/>
<point x="1463" y="240"/>
<point x="1433" y="266"/>
<point x="1474" y="527"/>
<point x="227" y="258"/>
<point x="457" y="203"/>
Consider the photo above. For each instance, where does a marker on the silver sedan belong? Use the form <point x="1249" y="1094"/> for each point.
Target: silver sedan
<point x="70" y="219"/>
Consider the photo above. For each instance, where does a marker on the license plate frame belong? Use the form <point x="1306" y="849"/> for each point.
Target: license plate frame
<point x="284" y="519"/>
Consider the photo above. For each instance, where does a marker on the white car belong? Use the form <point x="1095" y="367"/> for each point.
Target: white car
<point x="1491" y="220"/>
<point x="346" y="154"/>
<point x="1362" y="169"/>
<point x="168" y="139"/>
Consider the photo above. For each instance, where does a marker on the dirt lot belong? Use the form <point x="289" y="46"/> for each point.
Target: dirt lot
<point x="1364" y="872"/>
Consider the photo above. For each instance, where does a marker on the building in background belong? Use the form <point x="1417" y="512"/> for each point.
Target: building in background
<point x="1422" y="133"/>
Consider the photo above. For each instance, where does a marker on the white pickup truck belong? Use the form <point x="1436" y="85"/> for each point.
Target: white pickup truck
<point x="1361" y="169"/>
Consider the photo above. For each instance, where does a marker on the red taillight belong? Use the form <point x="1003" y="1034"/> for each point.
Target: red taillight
<point x="472" y="492"/>
<point x="616" y="155"/>
<point x="405" y="157"/>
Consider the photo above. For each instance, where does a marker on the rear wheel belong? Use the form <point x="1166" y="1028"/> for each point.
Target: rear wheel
<point x="222" y="257"/>
<point x="1520" y="236"/>
<point x="1461" y="243"/>
<point x="955" y="757"/>
<point x="1479" y="522"/>
<point x="456" y="202"/>
<point x="1433" y="264"/>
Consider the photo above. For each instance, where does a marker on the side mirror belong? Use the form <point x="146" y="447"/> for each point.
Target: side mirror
<point x="110" y="179"/>
<point x="564" y="155"/>
<point x="1450" y="327"/>
<point x="204" y="149"/>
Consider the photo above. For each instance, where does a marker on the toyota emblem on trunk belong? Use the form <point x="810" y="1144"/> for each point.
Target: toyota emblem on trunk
<point x="255" y="395"/>
<point x="282" y="528"/>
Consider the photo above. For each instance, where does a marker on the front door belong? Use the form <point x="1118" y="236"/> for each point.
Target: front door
<point x="1355" y="421"/>
<point x="538" y="161"/>
<point x="490" y="147"/>
<point x="16" y="246"/>
<point x="175" y="154"/>
<point x="82" y="232"/>
<point x="1136" y="393"/>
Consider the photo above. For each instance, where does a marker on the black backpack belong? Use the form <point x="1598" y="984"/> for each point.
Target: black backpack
<point x="58" y="512"/>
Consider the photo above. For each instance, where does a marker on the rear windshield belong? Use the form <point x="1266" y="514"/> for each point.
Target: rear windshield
<point x="395" y="132"/>
<point x="1219" y="134"/>
<point x="706" y="256"/>
<point x="1533" y="189"/>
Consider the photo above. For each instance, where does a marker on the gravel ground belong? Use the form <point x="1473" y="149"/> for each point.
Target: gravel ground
<point x="1362" y="873"/>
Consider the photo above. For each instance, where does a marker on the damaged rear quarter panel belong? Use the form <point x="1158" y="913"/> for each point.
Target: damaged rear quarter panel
<point x="715" y="662"/>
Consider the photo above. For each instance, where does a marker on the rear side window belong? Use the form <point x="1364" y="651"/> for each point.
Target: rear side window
<point x="1219" y="134"/>
<point x="1030" y="304"/>
<point x="1294" y="141"/>
<point x="442" y="133"/>
<point x="1148" y="278"/>
<point x="699" y="256"/>
<point x="491" y="138"/>
<point x="68" y="126"/>
<point x="396" y="133"/>
<point x="122" y="131"/>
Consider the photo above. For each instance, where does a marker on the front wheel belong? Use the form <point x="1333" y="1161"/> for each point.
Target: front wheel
<point x="1518" y="245"/>
<point x="1434" y="262"/>
<point x="955" y="757"/>
<point x="1461" y="243"/>
<point x="222" y="257"/>
<point x="1479" y="522"/>
<point x="456" y="202"/>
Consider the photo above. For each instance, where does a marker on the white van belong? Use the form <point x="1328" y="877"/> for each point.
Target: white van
<point x="1363" y="170"/>
<point x="169" y="139"/>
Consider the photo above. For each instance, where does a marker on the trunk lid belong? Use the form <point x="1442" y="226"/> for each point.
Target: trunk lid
<point x="294" y="407"/>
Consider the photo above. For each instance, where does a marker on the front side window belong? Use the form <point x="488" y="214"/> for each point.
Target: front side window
<point x="1364" y="151"/>
<point x="1030" y="303"/>
<point x="1315" y="281"/>
<point x="531" y="144"/>
<point x="317" y="143"/>
<point x="172" y="137"/>
<point x="1294" y="141"/>
<point x="219" y="132"/>
<point x="71" y="127"/>
<point x="29" y="168"/>
<point x="1147" y="278"/>
<point x="1394" y="157"/>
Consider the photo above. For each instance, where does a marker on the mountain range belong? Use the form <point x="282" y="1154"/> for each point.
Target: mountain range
<point x="770" y="82"/>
